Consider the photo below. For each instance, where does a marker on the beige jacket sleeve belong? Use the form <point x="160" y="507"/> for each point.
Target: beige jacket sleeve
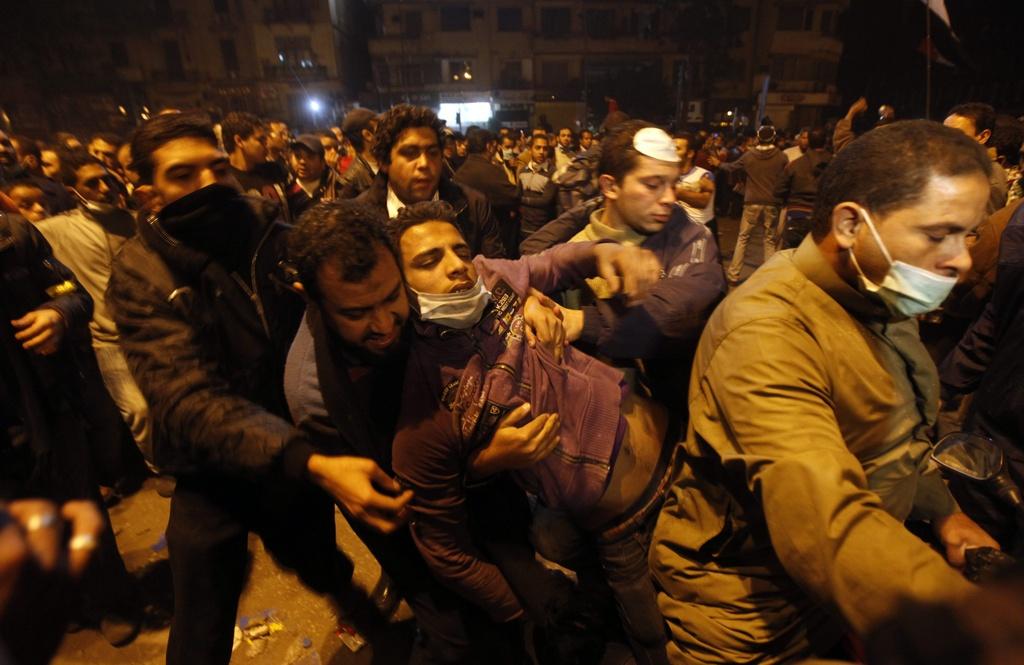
<point x="827" y="528"/>
<point x="843" y="134"/>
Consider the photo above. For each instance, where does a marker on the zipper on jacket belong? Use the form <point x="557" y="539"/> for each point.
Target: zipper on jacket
<point x="255" y="294"/>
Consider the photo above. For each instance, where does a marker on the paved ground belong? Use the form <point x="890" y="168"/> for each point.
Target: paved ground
<point x="304" y="618"/>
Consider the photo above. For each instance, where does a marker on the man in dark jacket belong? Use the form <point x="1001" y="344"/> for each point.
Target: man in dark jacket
<point x="479" y="172"/>
<point x="358" y="127"/>
<point x="797" y="188"/>
<point x="205" y="329"/>
<point x="54" y="409"/>
<point x="343" y="383"/>
<point x="990" y="363"/>
<point x="408" y="149"/>
<point x="537" y="189"/>
<point x="763" y="165"/>
<point x="661" y="332"/>
<point x="315" y="181"/>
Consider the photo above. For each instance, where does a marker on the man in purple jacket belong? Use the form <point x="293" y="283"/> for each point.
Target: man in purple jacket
<point x="471" y="364"/>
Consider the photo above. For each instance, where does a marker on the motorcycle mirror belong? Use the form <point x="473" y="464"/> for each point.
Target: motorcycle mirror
<point x="969" y="455"/>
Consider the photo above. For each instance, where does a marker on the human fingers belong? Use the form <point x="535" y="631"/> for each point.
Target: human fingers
<point x="382" y="503"/>
<point x="43" y="530"/>
<point x="515" y="416"/>
<point x="86" y="526"/>
<point x="382" y="480"/>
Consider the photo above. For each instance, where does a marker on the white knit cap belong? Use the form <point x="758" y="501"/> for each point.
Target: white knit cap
<point x="656" y="144"/>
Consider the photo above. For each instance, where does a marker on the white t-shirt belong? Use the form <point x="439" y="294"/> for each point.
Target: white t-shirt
<point x="793" y="153"/>
<point x="691" y="181"/>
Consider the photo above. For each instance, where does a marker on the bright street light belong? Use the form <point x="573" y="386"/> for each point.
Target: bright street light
<point x="314" y="105"/>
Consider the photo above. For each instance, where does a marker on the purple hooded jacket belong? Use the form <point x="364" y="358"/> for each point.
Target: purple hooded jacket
<point x="461" y="383"/>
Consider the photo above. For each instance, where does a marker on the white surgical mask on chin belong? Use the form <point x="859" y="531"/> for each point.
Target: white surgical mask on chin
<point x="906" y="290"/>
<point x="455" y="310"/>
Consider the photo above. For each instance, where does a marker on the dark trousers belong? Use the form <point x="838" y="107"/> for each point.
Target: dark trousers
<point x="796" y="226"/>
<point x="207" y="534"/>
<point x="622" y="561"/>
<point x="451" y="630"/>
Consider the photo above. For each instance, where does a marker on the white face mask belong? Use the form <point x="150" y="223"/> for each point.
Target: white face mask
<point x="905" y="289"/>
<point x="455" y="310"/>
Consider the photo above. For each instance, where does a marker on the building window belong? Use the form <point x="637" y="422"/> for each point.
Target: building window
<point x="172" y="61"/>
<point x="555" y="21"/>
<point x="412" y="24"/>
<point x="555" y="73"/>
<point x="600" y="23"/>
<point x="828" y="22"/>
<point x="118" y="54"/>
<point x="455" y="18"/>
<point x="230" y="55"/>
<point x="295" y="51"/>
<point x="510" y="19"/>
<point x="739" y="18"/>
<point x="460" y="71"/>
<point x="792" y="17"/>
<point x="512" y="76"/>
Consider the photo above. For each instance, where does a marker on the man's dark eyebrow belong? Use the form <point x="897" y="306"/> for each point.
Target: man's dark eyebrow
<point x="944" y="226"/>
<point x="429" y="253"/>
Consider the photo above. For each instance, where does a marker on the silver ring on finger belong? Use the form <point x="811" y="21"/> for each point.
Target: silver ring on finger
<point x="40" y="521"/>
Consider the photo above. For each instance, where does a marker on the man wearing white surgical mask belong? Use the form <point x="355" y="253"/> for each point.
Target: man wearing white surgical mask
<point x="811" y="401"/>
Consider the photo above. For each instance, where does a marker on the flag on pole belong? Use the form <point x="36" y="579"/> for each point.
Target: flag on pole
<point x="938" y="7"/>
<point x="927" y="47"/>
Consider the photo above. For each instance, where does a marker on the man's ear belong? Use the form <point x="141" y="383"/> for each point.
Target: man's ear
<point x="30" y="162"/>
<point x="609" y="187"/>
<point x="367" y="137"/>
<point x="984" y="136"/>
<point x="237" y="140"/>
<point x="846" y="220"/>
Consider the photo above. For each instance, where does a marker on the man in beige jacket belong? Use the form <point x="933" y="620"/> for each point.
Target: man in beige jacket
<point x="810" y="403"/>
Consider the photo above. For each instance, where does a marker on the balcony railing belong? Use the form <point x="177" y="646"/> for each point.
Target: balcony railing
<point x="284" y="71"/>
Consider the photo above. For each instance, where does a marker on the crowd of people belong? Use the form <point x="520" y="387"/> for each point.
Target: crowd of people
<point x="518" y="365"/>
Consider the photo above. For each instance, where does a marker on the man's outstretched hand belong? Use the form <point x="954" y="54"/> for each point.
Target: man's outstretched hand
<point x="362" y="490"/>
<point x="628" y="270"/>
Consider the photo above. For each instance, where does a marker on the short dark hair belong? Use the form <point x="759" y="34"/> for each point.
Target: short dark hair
<point x="238" y="123"/>
<point x="345" y="233"/>
<point x="816" y="138"/>
<point x="419" y="213"/>
<point x="71" y="161"/>
<point x="61" y="138"/>
<point x="586" y="131"/>
<point x="12" y="185"/>
<point x="618" y="156"/>
<point x="396" y="120"/>
<point x="691" y="141"/>
<point x="982" y="115"/>
<point x="477" y="140"/>
<point x="28" y="147"/>
<point x="162" y="129"/>
<point x="107" y="137"/>
<point x="1007" y="138"/>
<point x="889" y="167"/>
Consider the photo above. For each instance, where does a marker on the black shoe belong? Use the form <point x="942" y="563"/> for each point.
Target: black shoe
<point x="384" y="596"/>
<point x="164" y="485"/>
<point x="120" y="630"/>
